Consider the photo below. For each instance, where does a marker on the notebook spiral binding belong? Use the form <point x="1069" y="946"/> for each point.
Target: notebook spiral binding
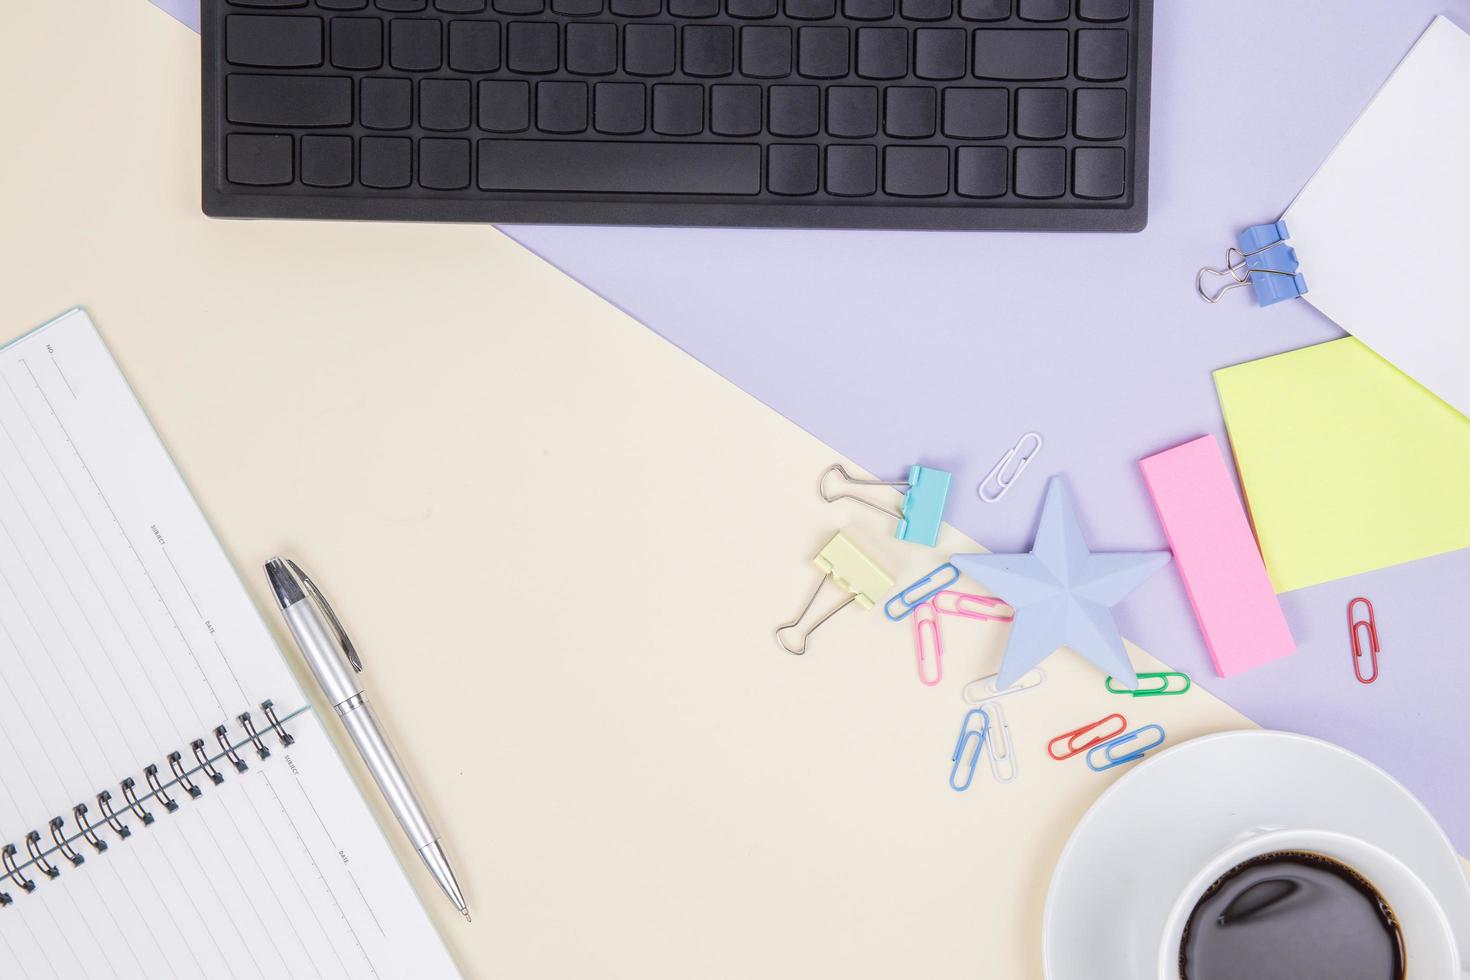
<point x="43" y="858"/>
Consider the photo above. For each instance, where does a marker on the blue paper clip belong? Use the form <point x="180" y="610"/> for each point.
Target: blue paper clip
<point x="908" y="601"/>
<point x="1111" y="759"/>
<point x="1262" y="260"/>
<point x="924" y="496"/>
<point x="966" y="734"/>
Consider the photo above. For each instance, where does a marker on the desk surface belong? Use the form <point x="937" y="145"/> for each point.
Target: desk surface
<point x="636" y="782"/>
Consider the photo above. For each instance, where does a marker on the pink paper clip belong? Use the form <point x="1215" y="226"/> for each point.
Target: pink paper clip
<point x="1371" y="626"/>
<point x="951" y="603"/>
<point x="926" y="625"/>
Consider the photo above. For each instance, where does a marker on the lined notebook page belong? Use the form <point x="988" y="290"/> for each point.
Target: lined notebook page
<point x="125" y="635"/>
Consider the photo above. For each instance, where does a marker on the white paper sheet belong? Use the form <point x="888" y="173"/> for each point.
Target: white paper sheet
<point x="125" y="635"/>
<point x="1382" y="227"/>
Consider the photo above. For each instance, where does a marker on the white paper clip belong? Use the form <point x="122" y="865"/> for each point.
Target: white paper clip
<point x="997" y="473"/>
<point x="998" y="746"/>
<point x="983" y="689"/>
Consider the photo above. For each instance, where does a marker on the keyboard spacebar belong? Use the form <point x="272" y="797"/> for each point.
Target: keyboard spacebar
<point x="620" y="168"/>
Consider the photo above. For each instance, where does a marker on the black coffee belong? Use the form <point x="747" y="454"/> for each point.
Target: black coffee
<point x="1291" y="915"/>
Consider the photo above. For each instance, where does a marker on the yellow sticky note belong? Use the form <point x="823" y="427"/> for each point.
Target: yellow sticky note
<point x="1348" y="464"/>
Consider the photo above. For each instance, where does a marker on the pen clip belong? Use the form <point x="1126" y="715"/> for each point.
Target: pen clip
<point x="321" y="600"/>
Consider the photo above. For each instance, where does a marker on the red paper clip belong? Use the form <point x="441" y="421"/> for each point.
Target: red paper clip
<point x="1372" y="625"/>
<point x="1070" y="738"/>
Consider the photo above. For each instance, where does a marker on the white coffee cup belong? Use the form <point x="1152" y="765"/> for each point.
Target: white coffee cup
<point x="1429" y="943"/>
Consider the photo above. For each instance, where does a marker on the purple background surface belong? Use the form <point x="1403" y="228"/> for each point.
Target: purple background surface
<point x="944" y="348"/>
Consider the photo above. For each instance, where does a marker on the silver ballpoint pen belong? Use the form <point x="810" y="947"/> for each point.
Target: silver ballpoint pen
<point x="334" y="662"/>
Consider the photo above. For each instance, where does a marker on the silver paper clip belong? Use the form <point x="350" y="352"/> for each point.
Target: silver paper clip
<point x="998" y="745"/>
<point x="997" y="472"/>
<point x="983" y="689"/>
<point x="853" y="481"/>
<point x="1237" y="270"/>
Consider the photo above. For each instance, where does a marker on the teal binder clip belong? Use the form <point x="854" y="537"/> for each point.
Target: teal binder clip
<point x="925" y="493"/>
<point x="1263" y="260"/>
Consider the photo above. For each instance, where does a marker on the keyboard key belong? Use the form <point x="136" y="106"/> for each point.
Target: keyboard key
<point x="852" y="111"/>
<point x="617" y="108"/>
<point x="709" y="50"/>
<point x="387" y="161"/>
<point x="577" y="8"/>
<point x="474" y="45"/>
<point x="1102" y="114"/>
<point x="444" y="165"/>
<point x="765" y="52"/>
<point x="274" y="42"/>
<point x="451" y="6"/>
<point x="915" y="171"/>
<point x="620" y="167"/>
<point x="387" y="103"/>
<point x="980" y="171"/>
<point x="1020" y="55"/>
<point x="257" y="159"/>
<point x="811" y="9"/>
<point x="678" y="110"/>
<point x="522" y="8"/>
<point x="751" y="9"/>
<point x="882" y="52"/>
<point x="635" y="8"/>
<point x="1041" y="171"/>
<point x="444" y="104"/>
<point x="926" y="9"/>
<point x="1102" y="56"/>
<point x="288" y="100"/>
<point x="908" y="112"/>
<point x="822" y="52"/>
<point x="796" y="110"/>
<point x="268" y="3"/>
<point x="1102" y="10"/>
<point x="357" y="43"/>
<point x="592" y="49"/>
<point x="985" y="9"/>
<point x="1041" y="113"/>
<point x="791" y="168"/>
<point x="530" y="47"/>
<point x="326" y="161"/>
<point x="694" y="8"/>
<point x="735" y="110"/>
<point x="867" y="9"/>
<point x="1097" y="172"/>
<point x="976" y="113"/>
<point x="561" y="107"/>
<point x="852" y="171"/>
<point x="414" y="45"/>
<point x="505" y="107"/>
<point x="1044" y="9"/>
<point x="324" y="4"/>
<point x="939" y="52"/>
<point x="402" y="6"/>
<point x="648" y="49"/>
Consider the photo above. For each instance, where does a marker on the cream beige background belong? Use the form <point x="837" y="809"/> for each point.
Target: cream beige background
<point x="562" y="546"/>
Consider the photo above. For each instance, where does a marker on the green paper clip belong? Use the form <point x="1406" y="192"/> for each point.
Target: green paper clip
<point x="845" y="565"/>
<point x="1164" y="684"/>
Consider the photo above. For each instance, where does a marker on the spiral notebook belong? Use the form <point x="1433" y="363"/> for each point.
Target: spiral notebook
<point x="170" y="805"/>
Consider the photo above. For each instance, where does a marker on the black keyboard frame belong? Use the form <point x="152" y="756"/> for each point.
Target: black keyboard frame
<point x="225" y="200"/>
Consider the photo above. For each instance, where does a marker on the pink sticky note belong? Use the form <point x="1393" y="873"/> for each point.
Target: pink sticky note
<point x="1217" y="557"/>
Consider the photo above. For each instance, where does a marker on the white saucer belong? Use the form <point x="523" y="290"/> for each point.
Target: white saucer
<point x="1143" y="838"/>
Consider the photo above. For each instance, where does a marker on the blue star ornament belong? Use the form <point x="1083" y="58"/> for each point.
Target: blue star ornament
<point x="1063" y="593"/>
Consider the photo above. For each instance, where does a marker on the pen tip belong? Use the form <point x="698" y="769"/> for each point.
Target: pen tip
<point x="283" y="583"/>
<point x="467" y="915"/>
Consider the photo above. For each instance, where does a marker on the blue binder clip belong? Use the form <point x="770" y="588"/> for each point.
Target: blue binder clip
<point x="1262" y="260"/>
<point x="924" y="496"/>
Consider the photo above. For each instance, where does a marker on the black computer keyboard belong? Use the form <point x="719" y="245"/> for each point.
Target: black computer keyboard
<point x="821" y="113"/>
